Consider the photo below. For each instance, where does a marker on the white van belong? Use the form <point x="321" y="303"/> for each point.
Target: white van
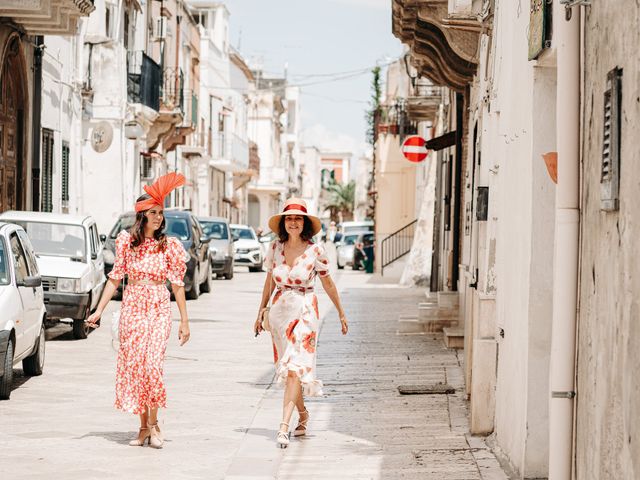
<point x="350" y="227"/>
<point x="71" y="262"/>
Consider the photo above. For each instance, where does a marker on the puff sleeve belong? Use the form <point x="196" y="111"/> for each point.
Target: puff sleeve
<point x="123" y="241"/>
<point x="176" y="266"/>
<point x="322" y="260"/>
<point x="269" y="259"/>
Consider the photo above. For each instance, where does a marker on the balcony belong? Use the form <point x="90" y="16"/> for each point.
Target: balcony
<point x="172" y="94"/>
<point x="394" y="120"/>
<point x="47" y="17"/>
<point x="143" y="80"/>
<point x="424" y="102"/>
<point x="229" y="152"/>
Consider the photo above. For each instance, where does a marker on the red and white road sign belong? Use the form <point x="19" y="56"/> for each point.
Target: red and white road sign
<point x="414" y="149"/>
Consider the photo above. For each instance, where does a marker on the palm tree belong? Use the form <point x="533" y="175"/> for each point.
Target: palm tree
<point x="341" y="200"/>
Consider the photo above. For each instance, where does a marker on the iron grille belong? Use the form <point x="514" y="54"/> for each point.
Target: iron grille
<point x="610" y="167"/>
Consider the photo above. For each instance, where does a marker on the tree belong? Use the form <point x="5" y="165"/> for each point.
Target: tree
<point x="373" y="117"/>
<point x="341" y="200"/>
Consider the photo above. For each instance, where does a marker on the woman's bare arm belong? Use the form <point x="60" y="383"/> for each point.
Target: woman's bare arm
<point x="332" y="291"/>
<point x="183" y="331"/>
<point x="267" y="290"/>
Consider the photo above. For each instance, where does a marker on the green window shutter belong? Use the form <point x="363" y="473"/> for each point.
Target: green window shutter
<point x="65" y="173"/>
<point x="539" y="27"/>
<point x="46" y="204"/>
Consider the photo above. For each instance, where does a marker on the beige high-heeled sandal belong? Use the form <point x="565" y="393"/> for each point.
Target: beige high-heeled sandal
<point x="301" y="429"/>
<point x="282" y="438"/>
<point x="143" y="436"/>
<point x="155" y="438"/>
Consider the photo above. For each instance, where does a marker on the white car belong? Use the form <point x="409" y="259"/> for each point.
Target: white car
<point x="344" y="248"/>
<point x="248" y="250"/>
<point x="22" y="307"/>
<point x="71" y="262"/>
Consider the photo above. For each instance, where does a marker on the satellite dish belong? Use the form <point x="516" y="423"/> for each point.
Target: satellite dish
<point x="102" y="136"/>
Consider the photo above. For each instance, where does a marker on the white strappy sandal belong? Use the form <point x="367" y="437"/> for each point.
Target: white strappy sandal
<point x="282" y="438"/>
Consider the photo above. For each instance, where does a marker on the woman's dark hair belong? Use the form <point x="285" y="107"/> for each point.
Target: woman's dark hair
<point x="307" y="230"/>
<point x="137" y="230"/>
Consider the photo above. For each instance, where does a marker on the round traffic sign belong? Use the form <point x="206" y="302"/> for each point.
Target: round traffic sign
<point x="414" y="149"/>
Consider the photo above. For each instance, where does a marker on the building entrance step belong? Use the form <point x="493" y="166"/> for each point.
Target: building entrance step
<point x="453" y="337"/>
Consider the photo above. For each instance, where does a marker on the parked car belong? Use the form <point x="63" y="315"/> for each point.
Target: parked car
<point x="71" y="262"/>
<point x="350" y="227"/>
<point x="362" y="240"/>
<point x="344" y="249"/>
<point x="216" y="229"/>
<point x="22" y="307"/>
<point x="248" y="250"/>
<point x="183" y="225"/>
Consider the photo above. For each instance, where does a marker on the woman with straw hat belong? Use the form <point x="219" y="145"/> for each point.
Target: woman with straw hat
<point x="293" y="261"/>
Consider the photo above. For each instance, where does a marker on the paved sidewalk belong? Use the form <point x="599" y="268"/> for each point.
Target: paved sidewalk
<point x="223" y="411"/>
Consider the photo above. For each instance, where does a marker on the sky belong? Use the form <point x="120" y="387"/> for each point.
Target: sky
<point x="315" y="38"/>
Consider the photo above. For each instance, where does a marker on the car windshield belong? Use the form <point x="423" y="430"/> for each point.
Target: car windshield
<point x="350" y="239"/>
<point x="215" y="230"/>
<point x="124" y="223"/>
<point x="56" y="239"/>
<point x="178" y="227"/>
<point x="4" y="267"/>
<point x="243" y="234"/>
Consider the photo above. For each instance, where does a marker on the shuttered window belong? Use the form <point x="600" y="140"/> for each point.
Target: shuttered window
<point x="65" y="174"/>
<point x="46" y="198"/>
<point x="610" y="166"/>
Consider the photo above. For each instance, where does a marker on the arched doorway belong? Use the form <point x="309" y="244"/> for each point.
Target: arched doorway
<point x="12" y="131"/>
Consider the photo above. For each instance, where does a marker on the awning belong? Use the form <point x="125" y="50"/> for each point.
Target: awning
<point x="442" y="142"/>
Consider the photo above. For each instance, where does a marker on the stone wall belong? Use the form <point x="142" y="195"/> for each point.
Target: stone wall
<point x="608" y="401"/>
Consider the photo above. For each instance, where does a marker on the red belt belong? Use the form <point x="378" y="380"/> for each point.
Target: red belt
<point x="295" y="288"/>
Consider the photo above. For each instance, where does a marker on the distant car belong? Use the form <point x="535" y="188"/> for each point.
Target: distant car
<point x="183" y="225"/>
<point x="350" y="227"/>
<point x="22" y="307"/>
<point x="248" y="250"/>
<point x="71" y="261"/>
<point x="216" y="229"/>
<point x="358" y="257"/>
<point x="344" y="249"/>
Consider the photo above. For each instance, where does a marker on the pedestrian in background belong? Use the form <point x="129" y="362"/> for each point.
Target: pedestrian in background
<point x="149" y="258"/>
<point x="293" y="261"/>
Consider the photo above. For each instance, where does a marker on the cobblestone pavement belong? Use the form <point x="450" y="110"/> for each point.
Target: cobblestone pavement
<point x="223" y="410"/>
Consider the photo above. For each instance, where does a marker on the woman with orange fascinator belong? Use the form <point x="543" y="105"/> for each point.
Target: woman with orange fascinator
<point x="149" y="258"/>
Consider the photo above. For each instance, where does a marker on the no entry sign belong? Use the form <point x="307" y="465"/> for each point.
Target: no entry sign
<point x="413" y="149"/>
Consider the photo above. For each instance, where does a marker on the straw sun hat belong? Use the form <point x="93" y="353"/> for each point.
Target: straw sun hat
<point x="294" y="206"/>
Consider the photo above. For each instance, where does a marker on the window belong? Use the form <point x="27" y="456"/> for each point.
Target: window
<point x="146" y="167"/>
<point x="94" y="240"/>
<point x="4" y="266"/>
<point x="56" y="239"/>
<point x="65" y="174"/>
<point x="28" y="249"/>
<point x="215" y="230"/>
<point x="19" y="259"/>
<point x="46" y="201"/>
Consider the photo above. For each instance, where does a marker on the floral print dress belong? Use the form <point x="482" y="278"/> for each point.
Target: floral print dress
<point x="145" y="320"/>
<point x="294" y="313"/>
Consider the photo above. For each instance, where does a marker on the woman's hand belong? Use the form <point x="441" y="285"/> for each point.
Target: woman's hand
<point x="92" y="321"/>
<point x="257" y="327"/>
<point x="345" y="324"/>
<point x="183" y="332"/>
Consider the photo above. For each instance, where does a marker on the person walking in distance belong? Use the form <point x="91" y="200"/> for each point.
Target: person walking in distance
<point x="149" y="258"/>
<point x="293" y="261"/>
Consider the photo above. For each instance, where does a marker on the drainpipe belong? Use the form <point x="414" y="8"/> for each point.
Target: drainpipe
<point x="565" y="272"/>
<point x="36" y="132"/>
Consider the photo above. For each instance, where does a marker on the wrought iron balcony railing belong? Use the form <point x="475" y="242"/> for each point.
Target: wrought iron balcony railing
<point x="143" y="80"/>
<point x="172" y="94"/>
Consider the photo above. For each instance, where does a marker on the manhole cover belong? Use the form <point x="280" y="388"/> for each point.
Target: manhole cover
<point x="435" y="389"/>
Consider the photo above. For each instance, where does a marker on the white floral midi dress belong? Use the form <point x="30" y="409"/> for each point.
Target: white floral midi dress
<point x="294" y="313"/>
<point x="145" y="320"/>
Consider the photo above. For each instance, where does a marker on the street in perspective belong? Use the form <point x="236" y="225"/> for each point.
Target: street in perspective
<point x="350" y="239"/>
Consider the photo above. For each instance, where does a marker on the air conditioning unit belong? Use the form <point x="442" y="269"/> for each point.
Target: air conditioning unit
<point x="160" y="28"/>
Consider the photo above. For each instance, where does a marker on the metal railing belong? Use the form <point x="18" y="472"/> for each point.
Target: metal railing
<point x="143" y="80"/>
<point x="173" y="88"/>
<point x="397" y="245"/>
<point x="228" y="146"/>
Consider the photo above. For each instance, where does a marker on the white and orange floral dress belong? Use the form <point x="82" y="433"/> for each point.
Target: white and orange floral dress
<point x="294" y="316"/>
<point x="145" y="320"/>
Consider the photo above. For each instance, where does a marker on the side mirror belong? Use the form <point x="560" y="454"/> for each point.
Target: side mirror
<point x="32" y="282"/>
<point x="103" y="238"/>
<point x="205" y="239"/>
<point x="94" y="256"/>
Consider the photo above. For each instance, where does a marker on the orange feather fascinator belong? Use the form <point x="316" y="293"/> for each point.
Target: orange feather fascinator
<point x="162" y="187"/>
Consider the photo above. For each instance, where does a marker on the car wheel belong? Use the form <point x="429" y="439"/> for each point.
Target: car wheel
<point x="340" y="267"/>
<point x="256" y="269"/>
<point x="194" y="293"/>
<point x="229" y="275"/>
<point x="7" y="379"/>
<point x="206" y="285"/>
<point x="34" y="364"/>
<point x="80" y="329"/>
